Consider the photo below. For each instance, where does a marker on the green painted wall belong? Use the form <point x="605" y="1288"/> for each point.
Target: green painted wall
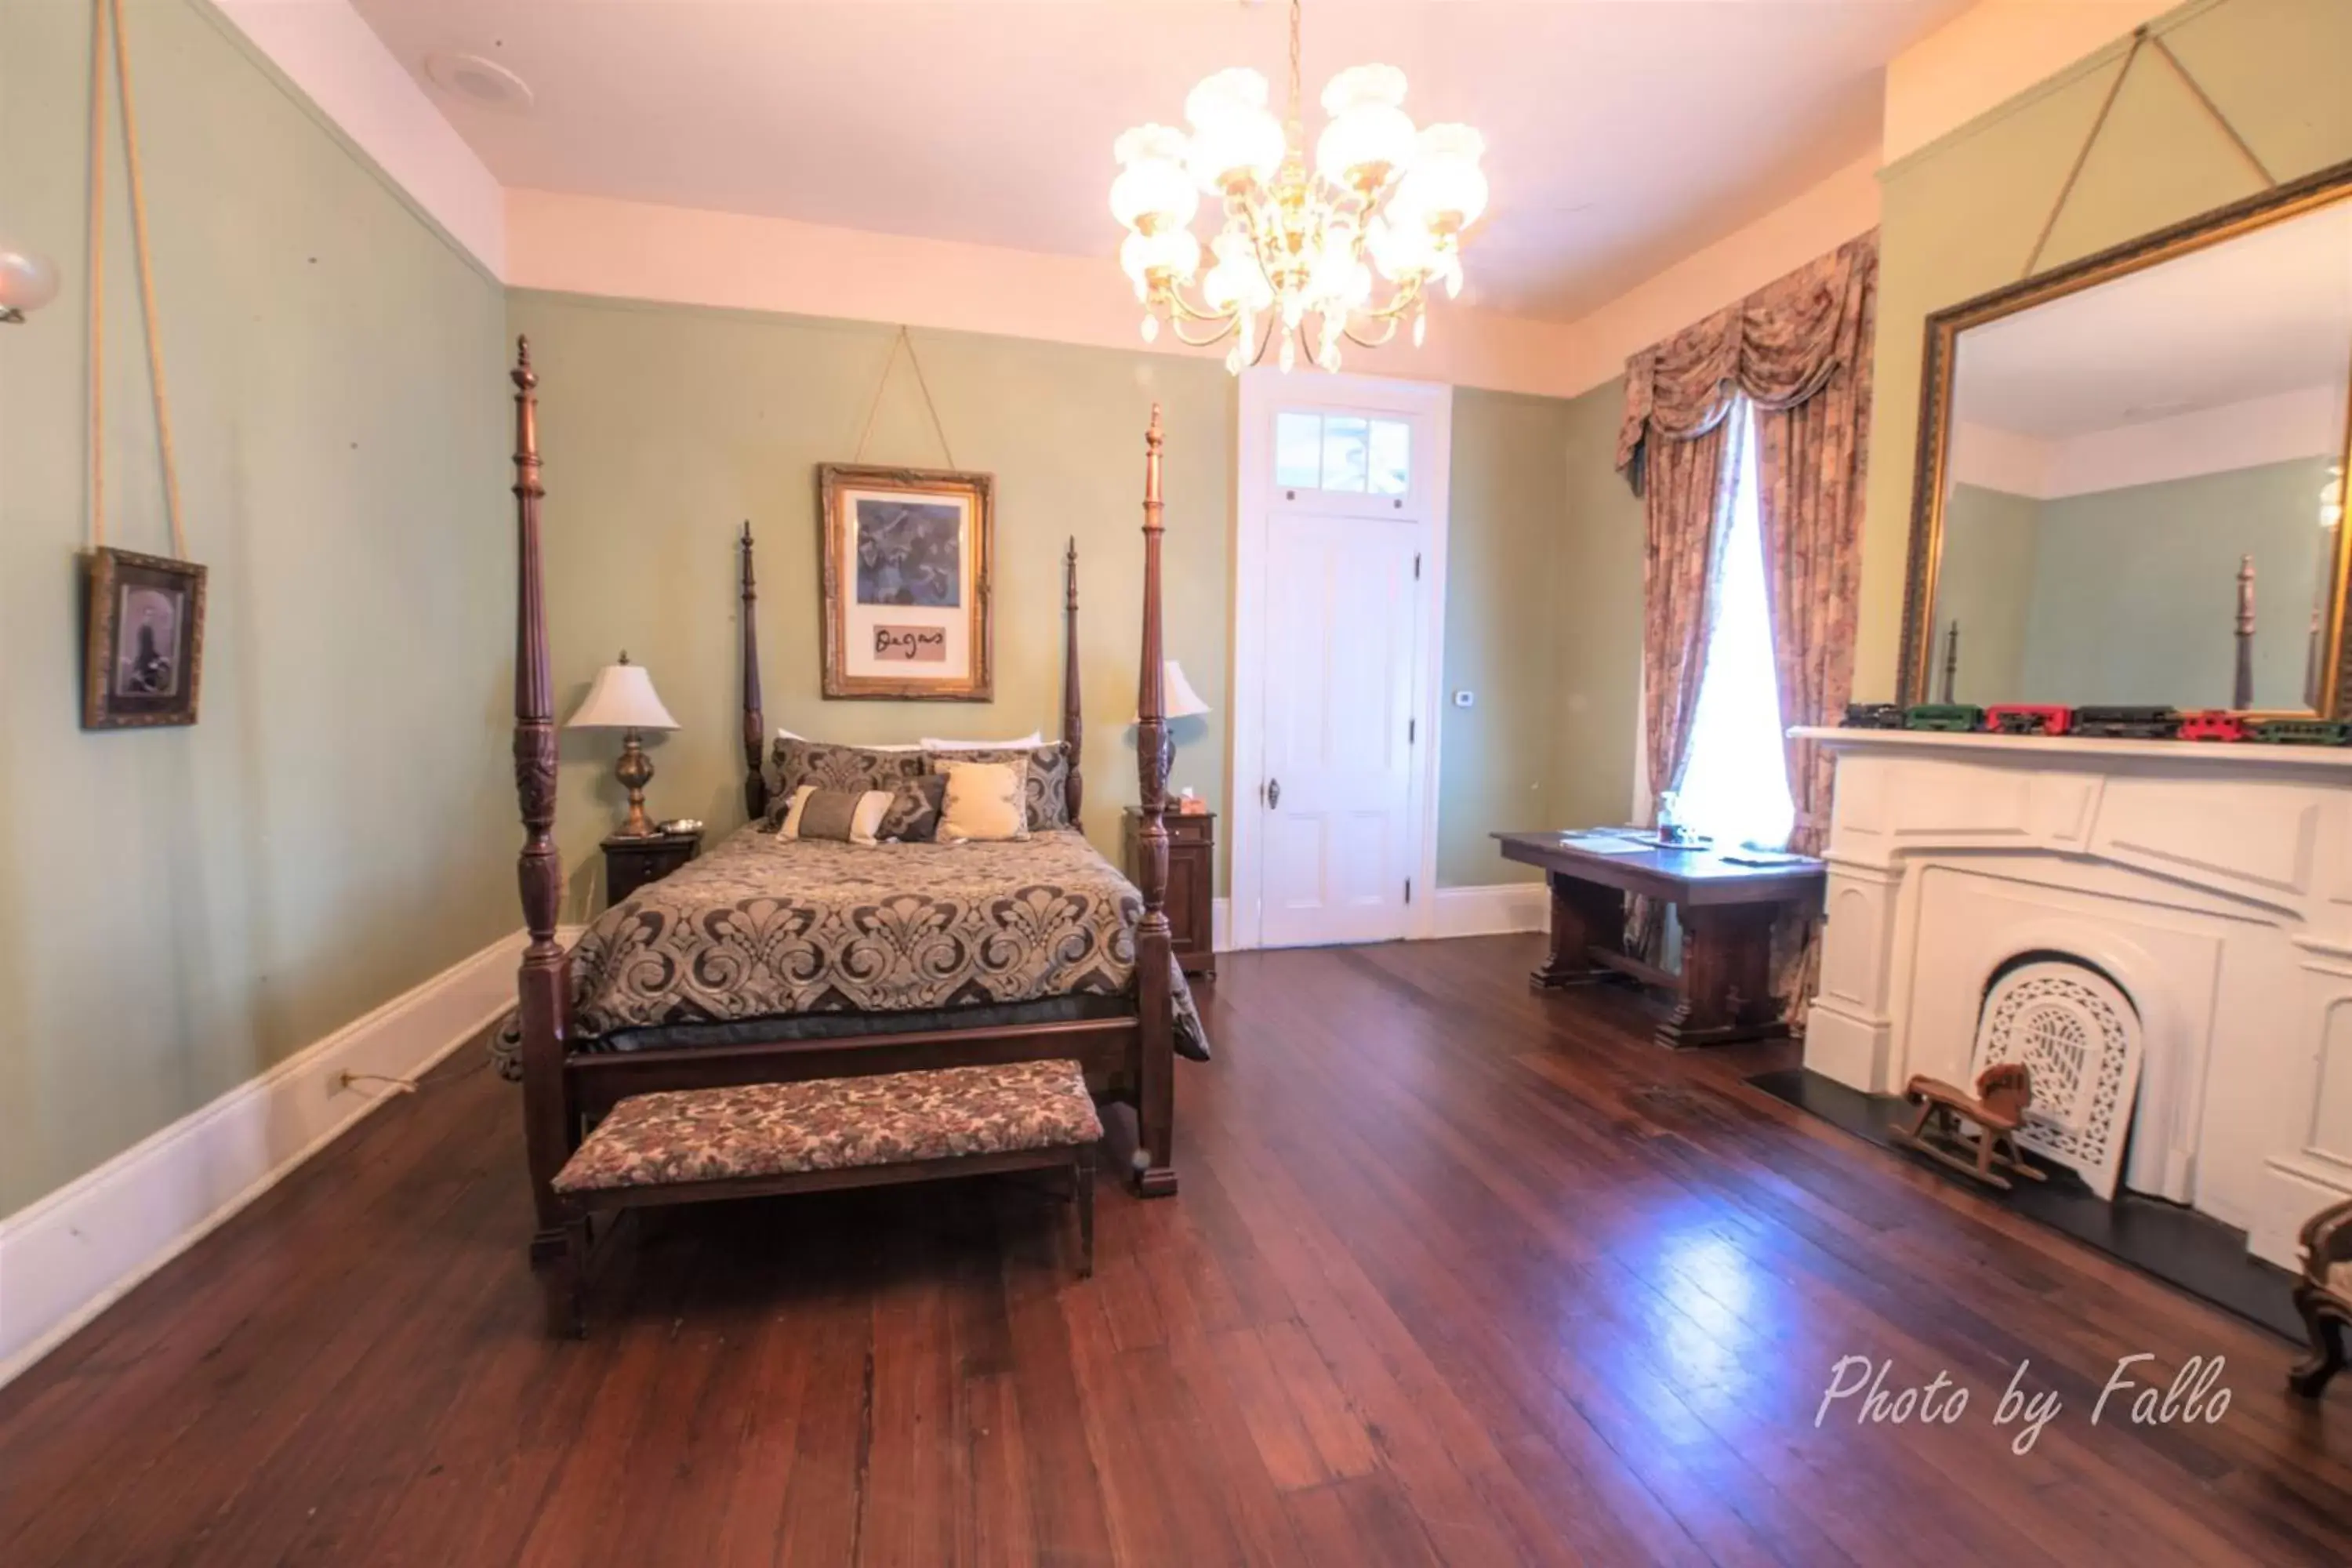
<point x="2129" y="594"/>
<point x="1509" y="498"/>
<point x="664" y="427"/>
<point x="1595" y="705"/>
<point x="1960" y="215"/>
<point x="2135" y="590"/>
<point x="1986" y="585"/>
<point x="180" y="909"/>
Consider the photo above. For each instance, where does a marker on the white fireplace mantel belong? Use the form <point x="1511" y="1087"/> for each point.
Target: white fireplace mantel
<point x="2211" y="882"/>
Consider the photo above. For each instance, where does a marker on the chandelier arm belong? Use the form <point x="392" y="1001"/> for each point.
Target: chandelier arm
<point x="1220" y="335"/>
<point x="1387" y="335"/>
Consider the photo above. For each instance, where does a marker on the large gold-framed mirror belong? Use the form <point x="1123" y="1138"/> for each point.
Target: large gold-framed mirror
<point x="2131" y="473"/>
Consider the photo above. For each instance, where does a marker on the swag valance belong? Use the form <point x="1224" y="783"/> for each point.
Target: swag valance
<point x="1780" y="346"/>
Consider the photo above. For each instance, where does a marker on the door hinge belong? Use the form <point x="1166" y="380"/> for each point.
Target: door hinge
<point x="1411" y="730"/>
<point x="1408" y="890"/>
<point x="1416" y="566"/>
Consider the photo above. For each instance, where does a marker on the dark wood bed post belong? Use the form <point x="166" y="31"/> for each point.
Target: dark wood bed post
<point x="544" y="984"/>
<point x="1156" y="1100"/>
<point x="755" y="725"/>
<point x="1073" y="723"/>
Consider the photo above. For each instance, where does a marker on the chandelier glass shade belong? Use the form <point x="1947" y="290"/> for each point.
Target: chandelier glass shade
<point x="1299" y="248"/>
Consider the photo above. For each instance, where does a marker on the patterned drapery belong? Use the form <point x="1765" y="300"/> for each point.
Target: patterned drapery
<point x="1800" y="350"/>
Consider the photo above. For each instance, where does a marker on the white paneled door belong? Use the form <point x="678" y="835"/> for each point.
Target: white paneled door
<point x="1342" y="619"/>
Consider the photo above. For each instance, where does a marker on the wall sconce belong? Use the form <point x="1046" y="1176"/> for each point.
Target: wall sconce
<point x="28" y="281"/>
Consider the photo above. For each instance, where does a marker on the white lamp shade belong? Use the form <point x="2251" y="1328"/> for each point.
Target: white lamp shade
<point x="621" y="698"/>
<point x="1176" y="694"/>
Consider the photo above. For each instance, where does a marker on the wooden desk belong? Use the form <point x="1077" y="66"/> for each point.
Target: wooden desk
<point x="1726" y="912"/>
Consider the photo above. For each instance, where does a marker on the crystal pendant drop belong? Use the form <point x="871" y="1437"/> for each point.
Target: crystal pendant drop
<point x="1289" y="355"/>
<point x="1420" y="327"/>
<point x="1151" y="328"/>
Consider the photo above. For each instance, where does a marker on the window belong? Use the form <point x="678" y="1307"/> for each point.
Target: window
<point x="1735" y="784"/>
<point x="1349" y="453"/>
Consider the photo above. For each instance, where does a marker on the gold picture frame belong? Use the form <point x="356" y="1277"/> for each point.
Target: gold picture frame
<point x="143" y="643"/>
<point x="908" y="555"/>
<point x="1914" y="674"/>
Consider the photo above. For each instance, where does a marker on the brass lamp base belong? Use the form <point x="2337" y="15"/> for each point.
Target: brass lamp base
<point x="635" y="770"/>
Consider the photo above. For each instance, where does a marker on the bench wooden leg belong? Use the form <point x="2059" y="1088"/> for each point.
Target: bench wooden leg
<point x="1083" y="1176"/>
<point x="564" y="1275"/>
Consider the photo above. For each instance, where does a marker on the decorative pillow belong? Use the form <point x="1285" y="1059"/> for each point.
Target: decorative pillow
<point x="983" y="801"/>
<point x="1045" y="792"/>
<point x="914" y="814"/>
<point x="846" y="816"/>
<point x="1018" y="744"/>
<point x="829" y="766"/>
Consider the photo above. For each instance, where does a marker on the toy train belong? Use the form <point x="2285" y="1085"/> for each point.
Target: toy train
<point x="2098" y="722"/>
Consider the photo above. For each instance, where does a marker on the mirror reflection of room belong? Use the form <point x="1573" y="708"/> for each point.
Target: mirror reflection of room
<point x="2144" y="482"/>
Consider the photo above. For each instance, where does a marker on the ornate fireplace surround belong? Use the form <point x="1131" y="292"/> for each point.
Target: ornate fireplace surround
<point x="2211" y="884"/>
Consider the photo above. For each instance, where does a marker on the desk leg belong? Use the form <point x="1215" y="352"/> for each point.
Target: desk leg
<point x="1584" y="915"/>
<point x="1726" y="978"/>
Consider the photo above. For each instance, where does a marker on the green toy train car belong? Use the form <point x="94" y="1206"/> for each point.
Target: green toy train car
<point x="1955" y="716"/>
<point x="2300" y="732"/>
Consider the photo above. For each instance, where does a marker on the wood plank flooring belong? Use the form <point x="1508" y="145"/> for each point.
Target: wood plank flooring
<point x="1458" y="1274"/>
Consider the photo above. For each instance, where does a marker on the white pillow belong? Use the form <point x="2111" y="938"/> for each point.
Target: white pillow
<point x="784" y="735"/>
<point x="1029" y="741"/>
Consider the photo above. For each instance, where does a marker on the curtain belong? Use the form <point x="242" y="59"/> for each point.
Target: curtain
<point x="1687" y="512"/>
<point x="1800" y="350"/>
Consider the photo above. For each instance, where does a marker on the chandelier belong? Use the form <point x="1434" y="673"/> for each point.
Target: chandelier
<point x="1296" y="243"/>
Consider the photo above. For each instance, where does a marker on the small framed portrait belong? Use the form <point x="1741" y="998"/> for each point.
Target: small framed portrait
<point x="905" y="582"/>
<point x="143" y="657"/>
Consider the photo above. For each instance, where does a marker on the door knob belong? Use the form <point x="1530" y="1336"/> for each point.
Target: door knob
<point x="1273" y="792"/>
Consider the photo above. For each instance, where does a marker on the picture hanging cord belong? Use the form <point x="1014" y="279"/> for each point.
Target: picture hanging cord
<point x="873" y="406"/>
<point x="2141" y="38"/>
<point x="102" y="10"/>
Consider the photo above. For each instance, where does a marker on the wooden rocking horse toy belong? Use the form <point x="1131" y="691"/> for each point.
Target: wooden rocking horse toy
<point x="2003" y="1091"/>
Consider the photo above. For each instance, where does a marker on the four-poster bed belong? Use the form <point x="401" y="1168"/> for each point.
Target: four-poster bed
<point x="770" y="960"/>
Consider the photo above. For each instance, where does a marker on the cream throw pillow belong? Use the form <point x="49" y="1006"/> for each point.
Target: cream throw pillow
<point x="984" y="801"/>
<point x="843" y="816"/>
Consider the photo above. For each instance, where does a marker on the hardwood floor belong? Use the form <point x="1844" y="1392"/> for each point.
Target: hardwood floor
<point x="1458" y="1274"/>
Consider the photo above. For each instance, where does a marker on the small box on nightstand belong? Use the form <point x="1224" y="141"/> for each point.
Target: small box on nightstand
<point x="631" y="863"/>
<point x="1191" y="881"/>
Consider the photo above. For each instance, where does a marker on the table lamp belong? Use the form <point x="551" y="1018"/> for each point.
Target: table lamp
<point x="621" y="698"/>
<point x="1181" y="702"/>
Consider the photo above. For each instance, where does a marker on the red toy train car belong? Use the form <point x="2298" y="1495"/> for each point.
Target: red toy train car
<point x="2212" y="724"/>
<point x="2028" y="719"/>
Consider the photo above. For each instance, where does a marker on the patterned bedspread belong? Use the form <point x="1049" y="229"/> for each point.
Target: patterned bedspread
<point x="764" y="925"/>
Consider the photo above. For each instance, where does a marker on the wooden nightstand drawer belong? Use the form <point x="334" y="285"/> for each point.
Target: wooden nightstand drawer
<point x="631" y="863"/>
<point x="1192" y="883"/>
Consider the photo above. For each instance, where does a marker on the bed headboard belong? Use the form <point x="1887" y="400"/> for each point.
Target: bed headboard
<point x="755" y="724"/>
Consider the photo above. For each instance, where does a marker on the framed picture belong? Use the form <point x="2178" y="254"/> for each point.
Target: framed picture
<point x="905" y="577"/>
<point x="143" y="657"/>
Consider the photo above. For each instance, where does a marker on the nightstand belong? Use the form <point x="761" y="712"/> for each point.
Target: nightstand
<point x="631" y="863"/>
<point x="1192" y="879"/>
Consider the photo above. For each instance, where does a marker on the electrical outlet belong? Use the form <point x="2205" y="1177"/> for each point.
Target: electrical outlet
<point x="1465" y="697"/>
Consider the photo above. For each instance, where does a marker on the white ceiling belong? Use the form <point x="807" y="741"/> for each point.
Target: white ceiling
<point x="2265" y="313"/>
<point x="1622" y="134"/>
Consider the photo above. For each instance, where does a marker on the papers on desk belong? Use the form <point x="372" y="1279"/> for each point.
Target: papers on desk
<point x="1604" y="844"/>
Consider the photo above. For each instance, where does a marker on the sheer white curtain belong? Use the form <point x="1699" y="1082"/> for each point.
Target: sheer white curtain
<point x="1735" y="781"/>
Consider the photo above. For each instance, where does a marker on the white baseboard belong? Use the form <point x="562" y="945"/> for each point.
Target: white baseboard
<point x="1492" y="909"/>
<point x="69" y="1256"/>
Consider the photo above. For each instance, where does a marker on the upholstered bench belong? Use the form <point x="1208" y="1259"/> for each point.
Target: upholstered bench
<point x="692" y="1145"/>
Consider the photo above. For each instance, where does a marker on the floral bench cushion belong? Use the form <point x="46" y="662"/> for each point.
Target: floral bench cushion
<point x="834" y="1124"/>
